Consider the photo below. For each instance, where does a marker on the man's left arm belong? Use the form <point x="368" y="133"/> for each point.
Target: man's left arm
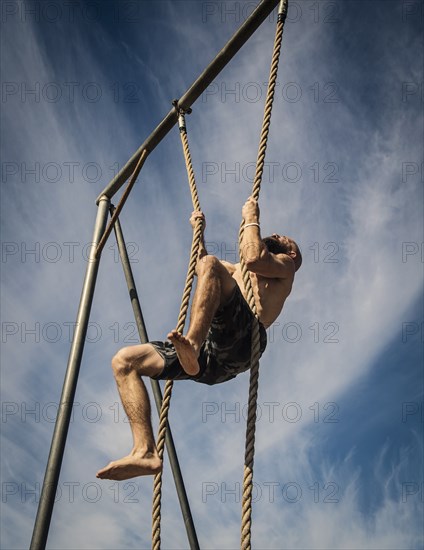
<point x="254" y="252"/>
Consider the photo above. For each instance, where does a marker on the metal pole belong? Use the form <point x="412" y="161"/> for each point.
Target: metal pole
<point x="172" y="454"/>
<point x="51" y="478"/>
<point x="246" y="30"/>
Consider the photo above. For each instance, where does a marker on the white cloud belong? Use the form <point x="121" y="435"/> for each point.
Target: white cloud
<point x="364" y="296"/>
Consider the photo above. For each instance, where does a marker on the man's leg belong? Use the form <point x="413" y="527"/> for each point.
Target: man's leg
<point x="129" y="364"/>
<point x="214" y="288"/>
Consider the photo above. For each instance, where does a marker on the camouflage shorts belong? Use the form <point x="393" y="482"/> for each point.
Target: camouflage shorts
<point x="227" y="349"/>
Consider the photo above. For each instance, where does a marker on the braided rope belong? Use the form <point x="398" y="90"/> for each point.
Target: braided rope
<point x="246" y="522"/>
<point x="197" y="236"/>
<point x="254" y="374"/>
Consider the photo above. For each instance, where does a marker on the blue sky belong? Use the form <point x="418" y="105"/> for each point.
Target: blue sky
<point x="339" y="461"/>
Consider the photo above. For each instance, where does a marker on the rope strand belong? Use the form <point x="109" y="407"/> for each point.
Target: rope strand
<point x="246" y="521"/>
<point x="254" y="371"/>
<point x="197" y="237"/>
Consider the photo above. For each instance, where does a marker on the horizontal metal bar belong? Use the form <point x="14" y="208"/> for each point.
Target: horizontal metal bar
<point x="241" y="36"/>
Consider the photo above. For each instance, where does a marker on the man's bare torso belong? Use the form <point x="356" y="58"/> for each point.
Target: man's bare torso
<point x="270" y="293"/>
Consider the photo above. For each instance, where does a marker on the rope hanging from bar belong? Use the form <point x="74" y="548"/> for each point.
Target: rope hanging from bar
<point x="246" y="521"/>
<point x="197" y="236"/>
<point x="254" y="371"/>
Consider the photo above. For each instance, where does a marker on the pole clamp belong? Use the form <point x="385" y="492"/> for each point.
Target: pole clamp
<point x="282" y="11"/>
<point x="181" y="115"/>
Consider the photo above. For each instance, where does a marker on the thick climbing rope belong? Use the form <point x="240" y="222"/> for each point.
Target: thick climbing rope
<point x="246" y="521"/>
<point x="197" y="237"/>
<point x="254" y="372"/>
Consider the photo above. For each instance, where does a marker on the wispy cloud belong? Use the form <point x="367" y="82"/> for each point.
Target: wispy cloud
<point x="336" y="180"/>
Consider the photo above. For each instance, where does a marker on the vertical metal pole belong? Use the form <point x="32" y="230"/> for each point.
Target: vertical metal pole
<point x="51" y="478"/>
<point x="172" y="454"/>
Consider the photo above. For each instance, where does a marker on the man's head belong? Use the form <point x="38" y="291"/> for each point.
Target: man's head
<point x="277" y="244"/>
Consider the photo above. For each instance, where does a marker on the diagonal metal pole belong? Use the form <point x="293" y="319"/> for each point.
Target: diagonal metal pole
<point x="240" y="37"/>
<point x="57" y="448"/>
<point x="172" y="453"/>
<point x="45" y="508"/>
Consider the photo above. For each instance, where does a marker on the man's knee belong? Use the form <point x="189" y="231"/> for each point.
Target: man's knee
<point x="122" y="363"/>
<point x="209" y="264"/>
<point x="141" y="359"/>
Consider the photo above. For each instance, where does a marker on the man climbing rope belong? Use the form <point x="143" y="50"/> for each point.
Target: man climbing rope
<point x="217" y="345"/>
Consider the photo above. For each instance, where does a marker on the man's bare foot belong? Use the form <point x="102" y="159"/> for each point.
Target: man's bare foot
<point x="131" y="466"/>
<point x="186" y="352"/>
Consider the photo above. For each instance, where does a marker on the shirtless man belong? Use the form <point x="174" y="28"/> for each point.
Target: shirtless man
<point x="217" y="346"/>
